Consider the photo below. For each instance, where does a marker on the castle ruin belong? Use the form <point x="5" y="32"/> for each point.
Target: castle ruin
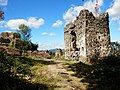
<point x="88" y="38"/>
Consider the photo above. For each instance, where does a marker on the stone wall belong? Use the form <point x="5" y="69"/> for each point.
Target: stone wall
<point x="10" y="35"/>
<point x="97" y="37"/>
<point x="17" y="52"/>
<point x="9" y="38"/>
<point x="87" y="37"/>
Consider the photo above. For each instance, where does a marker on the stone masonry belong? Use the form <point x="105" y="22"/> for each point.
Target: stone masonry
<point x="88" y="38"/>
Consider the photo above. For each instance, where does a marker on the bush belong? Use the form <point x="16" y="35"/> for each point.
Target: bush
<point x="13" y="65"/>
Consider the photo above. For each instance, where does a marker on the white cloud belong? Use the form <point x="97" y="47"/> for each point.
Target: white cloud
<point x="74" y="11"/>
<point x="3" y="2"/>
<point x="32" y="22"/>
<point x="52" y="34"/>
<point x="58" y="23"/>
<point x="114" y="10"/>
<point x="15" y="23"/>
<point x="48" y="34"/>
<point x="48" y="46"/>
<point x="71" y="13"/>
<point x="44" y="33"/>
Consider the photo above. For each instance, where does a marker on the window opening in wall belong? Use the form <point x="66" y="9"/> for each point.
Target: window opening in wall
<point x="73" y="40"/>
<point x="82" y="48"/>
<point x="98" y="37"/>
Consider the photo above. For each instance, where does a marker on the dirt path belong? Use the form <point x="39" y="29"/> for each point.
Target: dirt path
<point x="67" y="80"/>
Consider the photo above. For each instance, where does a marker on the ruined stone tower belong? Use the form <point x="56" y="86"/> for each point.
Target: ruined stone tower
<point x="88" y="37"/>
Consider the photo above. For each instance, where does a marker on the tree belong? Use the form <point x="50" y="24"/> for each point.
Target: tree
<point x="25" y="32"/>
<point x="34" y="47"/>
<point x="1" y="15"/>
<point x="25" y="43"/>
<point x="16" y="35"/>
<point x="115" y="48"/>
<point x="22" y="45"/>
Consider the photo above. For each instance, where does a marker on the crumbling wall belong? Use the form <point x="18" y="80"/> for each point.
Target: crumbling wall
<point x="69" y="45"/>
<point x="58" y="53"/>
<point x="92" y="37"/>
<point x="78" y="49"/>
<point x="97" y="37"/>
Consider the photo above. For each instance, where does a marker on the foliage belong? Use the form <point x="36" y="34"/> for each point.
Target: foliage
<point x="12" y="64"/>
<point x="26" y="45"/>
<point x="52" y="54"/>
<point x="25" y="32"/>
<point x="33" y="47"/>
<point x="115" y="48"/>
<point x="1" y="15"/>
<point x="22" y="45"/>
<point x="16" y="35"/>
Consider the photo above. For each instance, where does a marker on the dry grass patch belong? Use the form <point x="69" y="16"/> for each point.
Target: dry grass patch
<point x="41" y="74"/>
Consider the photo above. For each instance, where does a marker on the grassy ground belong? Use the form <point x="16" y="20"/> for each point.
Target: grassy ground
<point x="21" y="73"/>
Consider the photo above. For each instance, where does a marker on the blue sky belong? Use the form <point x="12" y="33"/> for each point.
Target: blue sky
<point x="47" y="18"/>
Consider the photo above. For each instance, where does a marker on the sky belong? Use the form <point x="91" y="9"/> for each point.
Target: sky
<point x="47" y="18"/>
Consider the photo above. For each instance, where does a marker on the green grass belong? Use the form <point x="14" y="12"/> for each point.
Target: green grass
<point x="15" y="71"/>
<point x="21" y="73"/>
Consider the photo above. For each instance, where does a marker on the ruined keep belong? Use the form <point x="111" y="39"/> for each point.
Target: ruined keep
<point x="87" y="38"/>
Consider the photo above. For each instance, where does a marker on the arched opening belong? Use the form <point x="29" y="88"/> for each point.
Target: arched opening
<point x="73" y="40"/>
